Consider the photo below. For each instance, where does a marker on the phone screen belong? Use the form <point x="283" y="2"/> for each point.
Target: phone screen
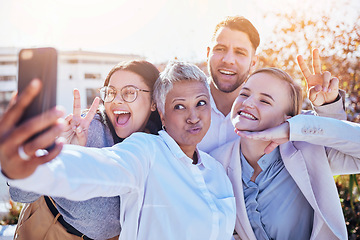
<point x="40" y="63"/>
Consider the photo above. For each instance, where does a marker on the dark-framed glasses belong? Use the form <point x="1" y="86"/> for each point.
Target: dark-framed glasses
<point x="128" y="93"/>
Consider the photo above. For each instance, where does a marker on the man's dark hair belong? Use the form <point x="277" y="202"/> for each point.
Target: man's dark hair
<point x="241" y="24"/>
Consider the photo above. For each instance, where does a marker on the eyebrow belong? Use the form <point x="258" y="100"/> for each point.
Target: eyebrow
<point x="224" y="45"/>
<point x="183" y="99"/>
<point x="265" y="94"/>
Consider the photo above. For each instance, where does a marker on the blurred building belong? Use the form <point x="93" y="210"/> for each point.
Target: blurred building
<point x="79" y="69"/>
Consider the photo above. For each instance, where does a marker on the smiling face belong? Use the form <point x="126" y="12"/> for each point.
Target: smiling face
<point x="230" y="59"/>
<point x="187" y="114"/>
<point x="263" y="102"/>
<point x="128" y="118"/>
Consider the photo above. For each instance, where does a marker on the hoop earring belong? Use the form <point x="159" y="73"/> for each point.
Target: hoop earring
<point x="163" y="127"/>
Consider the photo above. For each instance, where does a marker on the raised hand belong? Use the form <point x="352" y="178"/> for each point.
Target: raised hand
<point x="276" y="136"/>
<point x="17" y="154"/>
<point x="76" y="129"/>
<point x="322" y="88"/>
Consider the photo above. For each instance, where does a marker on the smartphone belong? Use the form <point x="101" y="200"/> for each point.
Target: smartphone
<point x="38" y="63"/>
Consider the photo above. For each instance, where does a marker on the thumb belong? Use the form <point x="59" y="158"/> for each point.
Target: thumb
<point x="270" y="147"/>
<point x="81" y="134"/>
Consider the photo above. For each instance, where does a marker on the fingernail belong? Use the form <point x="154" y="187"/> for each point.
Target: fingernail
<point x="59" y="111"/>
<point x="78" y="130"/>
<point x="35" y="82"/>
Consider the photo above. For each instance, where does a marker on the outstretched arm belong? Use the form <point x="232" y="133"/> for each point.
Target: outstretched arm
<point x="344" y="136"/>
<point x="81" y="173"/>
<point x="277" y="135"/>
<point x="17" y="154"/>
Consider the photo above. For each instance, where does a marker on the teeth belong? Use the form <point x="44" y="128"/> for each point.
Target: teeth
<point x="120" y="112"/>
<point x="227" y="72"/>
<point x="247" y="115"/>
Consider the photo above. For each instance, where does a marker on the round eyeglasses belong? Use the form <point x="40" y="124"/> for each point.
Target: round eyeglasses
<point x="128" y="93"/>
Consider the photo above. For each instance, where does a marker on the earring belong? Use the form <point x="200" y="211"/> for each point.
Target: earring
<point x="163" y="127"/>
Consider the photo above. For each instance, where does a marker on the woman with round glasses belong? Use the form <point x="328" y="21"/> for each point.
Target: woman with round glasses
<point x="126" y="107"/>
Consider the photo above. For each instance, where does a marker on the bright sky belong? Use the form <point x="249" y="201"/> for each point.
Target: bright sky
<point x="157" y="29"/>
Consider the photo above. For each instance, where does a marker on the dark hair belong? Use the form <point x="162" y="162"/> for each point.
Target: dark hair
<point x="149" y="73"/>
<point x="295" y="90"/>
<point x="141" y="67"/>
<point x="241" y="24"/>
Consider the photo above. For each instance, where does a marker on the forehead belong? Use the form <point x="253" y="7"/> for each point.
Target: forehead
<point x="269" y="84"/>
<point x="233" y="37"/>
<point x="122" y="78"/>
<point x="187" y="90"/>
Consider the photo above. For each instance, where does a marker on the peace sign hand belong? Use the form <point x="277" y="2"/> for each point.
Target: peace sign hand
<point x="322" y="88"/>
<point x="76" y="129"/>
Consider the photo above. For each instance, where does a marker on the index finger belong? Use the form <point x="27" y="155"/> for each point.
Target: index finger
<point x="316" y="61"/>
<point x="76" y="106"/>
<point x="303" y="67"/>
<point x="92" y="111"/>
<point x="15" y="111"/>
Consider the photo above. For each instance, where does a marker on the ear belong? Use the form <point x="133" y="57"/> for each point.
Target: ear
<point x="207" y="53"/>
<point x="153" y="106"/>
<point x="162" y="118"/>
<point x="253" y="63"/>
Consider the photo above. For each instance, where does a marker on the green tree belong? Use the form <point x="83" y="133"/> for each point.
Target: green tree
<point x="298" y="32"/>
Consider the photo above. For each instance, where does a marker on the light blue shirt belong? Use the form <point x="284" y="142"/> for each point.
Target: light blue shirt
<point x="276" y="207"/>
<point x="163" y="195"/>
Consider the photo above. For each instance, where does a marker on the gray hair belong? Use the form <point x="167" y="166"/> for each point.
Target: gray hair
<point x="176" y="71"/>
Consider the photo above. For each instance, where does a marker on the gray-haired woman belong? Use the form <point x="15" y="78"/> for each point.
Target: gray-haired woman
<point x="169" y="188"/>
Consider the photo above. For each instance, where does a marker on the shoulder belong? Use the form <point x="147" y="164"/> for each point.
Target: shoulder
<point x="210" y="160"/>
<point x="99" y="134"/>
<point x="224" y="153"/>
<point x="97" y="123"/>
<point x="142" y="138"/>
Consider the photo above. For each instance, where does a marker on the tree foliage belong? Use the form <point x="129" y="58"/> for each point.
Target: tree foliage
<point x="298" y="33"/>
<point x="339" y="44"/>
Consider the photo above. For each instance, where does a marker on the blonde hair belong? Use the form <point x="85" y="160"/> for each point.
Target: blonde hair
<point x="295" y="90"/>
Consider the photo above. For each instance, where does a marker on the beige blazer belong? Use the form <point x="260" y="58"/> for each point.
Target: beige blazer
<point x="312" y="167"/>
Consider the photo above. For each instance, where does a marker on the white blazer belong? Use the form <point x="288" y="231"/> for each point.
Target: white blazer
<point x="312" y="167"/>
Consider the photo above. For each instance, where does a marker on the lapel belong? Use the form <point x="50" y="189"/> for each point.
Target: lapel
<point x="315" y="180"/>
<point x="234" y="172"/>
<point x="295" y="164"/>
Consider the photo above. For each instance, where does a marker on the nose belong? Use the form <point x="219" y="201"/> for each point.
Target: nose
<point x="248" y="102"/>
<point x="229" y="58"/>
<point x="118" y="98"/>
<point x="193" y="117"/>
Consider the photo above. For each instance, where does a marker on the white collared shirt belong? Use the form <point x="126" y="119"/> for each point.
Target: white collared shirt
<point x="163" y="195"/>
<point x="221" y="130"/>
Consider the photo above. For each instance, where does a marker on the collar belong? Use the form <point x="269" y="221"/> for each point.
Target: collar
<point x="215" y="109"/>
<point x="265" y="161"/>
<point x="179" y="154"/>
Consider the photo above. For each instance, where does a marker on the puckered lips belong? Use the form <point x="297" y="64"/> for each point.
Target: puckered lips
<point x="247" y="115"/>
<point x="195" y="129"/>
<point x="121" y="117"/>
